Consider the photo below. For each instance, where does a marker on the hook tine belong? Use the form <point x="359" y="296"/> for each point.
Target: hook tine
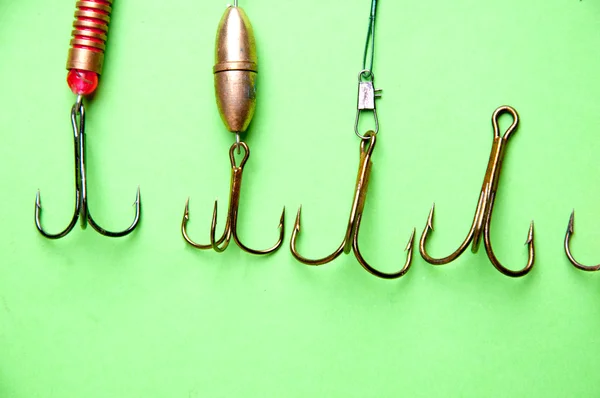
<point x="38" y="221"/>
<point x="453" y="256"/>
<point x="134" y="224"/>
<point x="186" y="219"/>
<point x="301" y="258"/>
<point x="494" y="260"/>
<point x="276" y="246"/>
<point x="375" y="272"/>
<point x="569" y="234"/>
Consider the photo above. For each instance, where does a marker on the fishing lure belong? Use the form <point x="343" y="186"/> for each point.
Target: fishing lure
<point x="84" y="63"/>
<point x="235" y="74"/>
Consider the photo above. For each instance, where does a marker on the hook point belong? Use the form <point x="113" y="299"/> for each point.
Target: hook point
<point x="530" y="234"/>
<point x="137" y="197"/>
<point x="186" y="211"/>
<point x="297" y="223"/>
<point x="282" y="218"/>
<point x="570" y="227"/>
<point x="411" y="240"/>
<point x="430" y="217"/>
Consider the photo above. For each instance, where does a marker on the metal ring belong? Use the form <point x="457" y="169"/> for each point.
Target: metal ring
<point x="365" y="74"/>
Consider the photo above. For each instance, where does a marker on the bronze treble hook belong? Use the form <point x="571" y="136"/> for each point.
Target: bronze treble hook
<point x="485" y="206"/>
<point x="350" y="242"/>
<point x="230" y="231"/>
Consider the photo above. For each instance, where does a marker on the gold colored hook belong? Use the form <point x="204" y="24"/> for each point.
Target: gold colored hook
<point x="485" y="206"/>
<point x="569" y="234"/>
<point x="230" y="231"/>
<point x="350" y="241"/>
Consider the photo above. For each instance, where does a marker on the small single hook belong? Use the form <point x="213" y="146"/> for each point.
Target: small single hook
<point x="230" y="231"/>
<point x="485" y="206"/>
<point x="350" y="241"/>
<point x="81" y="206"/>
<point x="367" y="94"/>
<point x="568" y="236"/>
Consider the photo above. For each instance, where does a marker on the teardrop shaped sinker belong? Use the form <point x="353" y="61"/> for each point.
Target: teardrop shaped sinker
<point x="235" y="70"/>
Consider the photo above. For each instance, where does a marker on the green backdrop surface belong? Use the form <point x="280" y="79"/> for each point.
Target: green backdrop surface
<point x="149" y="316"/>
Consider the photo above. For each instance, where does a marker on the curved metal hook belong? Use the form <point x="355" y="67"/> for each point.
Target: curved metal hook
<point x="483" y="213"/>
<point x="569" y="234"/>
<point x="350" y="241"/>
<point x="230" y="230"/>
<point x="81" y="206"/>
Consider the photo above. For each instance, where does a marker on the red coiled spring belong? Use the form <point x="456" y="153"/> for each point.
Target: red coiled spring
<point x="86" y="55"/>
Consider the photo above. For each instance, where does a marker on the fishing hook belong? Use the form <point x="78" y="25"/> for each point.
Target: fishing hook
<point x="82" y="211"/>
<point x="350" y="241"/>
<point x="485" y="206"/>
<point x="230" y="231"/>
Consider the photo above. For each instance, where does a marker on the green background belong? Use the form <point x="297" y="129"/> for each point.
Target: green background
<point x="149" y="316"/>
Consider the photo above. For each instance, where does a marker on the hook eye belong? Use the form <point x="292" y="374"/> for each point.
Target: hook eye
<point x="368" y="143"/>
<point x="496" y="117"/>
<point x="232" y="154"/>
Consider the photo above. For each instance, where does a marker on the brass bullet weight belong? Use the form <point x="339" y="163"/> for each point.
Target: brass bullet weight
<point x="235" y="70"/>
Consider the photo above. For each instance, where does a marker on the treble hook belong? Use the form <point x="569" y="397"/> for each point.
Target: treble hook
<point x="569" y="234"/>
<point x="82" y="211"/>
<point x="351" y="237"/>
<point x="230" y="231"/>
<point x="485" y="206"/>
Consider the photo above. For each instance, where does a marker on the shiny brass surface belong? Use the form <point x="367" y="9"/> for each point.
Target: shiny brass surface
<point x="230" y="231"/>
<point x="235" y="70"/>
<point x="89" y="36"/>
<point x="483" y="215"/>
<point x="350" y="241"/>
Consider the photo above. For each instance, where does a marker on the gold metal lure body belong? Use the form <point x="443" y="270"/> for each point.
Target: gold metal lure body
<point x="235" y="70"/>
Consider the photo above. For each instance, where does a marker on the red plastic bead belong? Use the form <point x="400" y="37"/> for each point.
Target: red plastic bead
<point x="82" y="82"/>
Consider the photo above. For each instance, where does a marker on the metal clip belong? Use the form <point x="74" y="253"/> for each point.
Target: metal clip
<point x="367" y="94"/>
